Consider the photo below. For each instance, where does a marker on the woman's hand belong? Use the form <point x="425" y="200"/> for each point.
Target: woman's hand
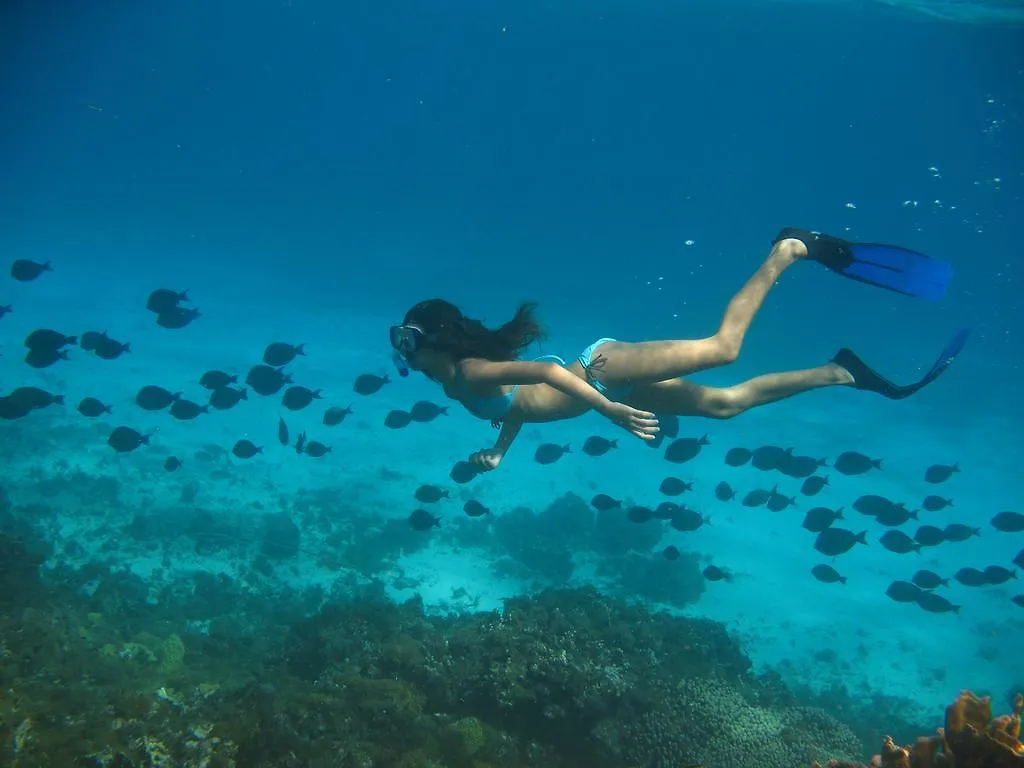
<point x="640" y="423"/>
<point x="486" y="459"/>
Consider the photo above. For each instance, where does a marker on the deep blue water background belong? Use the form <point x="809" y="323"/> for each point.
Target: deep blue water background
<point x="356" y="157"/>
<point x="310" y="169"/>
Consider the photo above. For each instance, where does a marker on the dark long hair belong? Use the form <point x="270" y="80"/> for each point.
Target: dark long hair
<point x="447" y="329"/>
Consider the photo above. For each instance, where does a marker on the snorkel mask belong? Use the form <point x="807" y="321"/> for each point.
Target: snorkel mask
<point x="406" y="341"/>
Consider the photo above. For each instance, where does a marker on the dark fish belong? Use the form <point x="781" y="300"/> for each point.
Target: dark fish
<point x="812" y="485"/>
<point x="671" y="552"/>
<point x="688" y="520"/>
<point x="929" y="580"/>
<point x="5" y="309"/>
<point x="246" y="449"/>
<point x="296" y="398"/>
<point x="714" y="573"/>
<point x="154" y="398"/>
<point x="421" y="520"/>
<point x="934" y="603"/>
<point x="929" y="536"/>
<point x="598" y="446"/>
<point x="854" y="463"/>
<point x="971" y="577"/>
<point x="44" y="358"/>
<point x="173" y="464"/>
<point x="11" y="409"/>
<point x="300" y="441"/>
<point x="903" y="592"/>
<point x="424" y="411"/>
<point x="125" y="439"/>
<point x="872" y="504"/>
<point x="685" y="448"/>
<point x="669" y="424"/>
<point x="474" y="508"/>
<point x="89" y="340"/>
<point x="1018" y="600"/>
<point x="186" y="410"/>
<point x="266" y="380"/>
<point x="757" y="498"/>
<point x="996" y="574"/>
<point x="899" y="542"/>
<point x="673" y="486"/>
<point x="430" y="494"/>
<point x="837" y="541"/>
<point x="91" y="407"/>
<point x="368" y="384"/>
<point x="960" y="532"/>
<point x="549" y="453"/>
<point x="26" y="270"/>
<point x="603" y="502"/>
<point x="818" y="519"/>
<point x="1019" y="559"/>
<point x="895" y="516"/>
<point x="667" y="510"/>
<point x="639" y="514"/>
<point x="110" y="349"/>
<point x="827" y="574"/>
<point x="33" y="398"/>
<point x="316" y="449"/>
<point x="777" y="502"/>
<point x="724" y="492"/>
<point x="279" y="353"/>
<point x="462" y="472"/>
<point x="282" y="432"/>
<point x="178" y="317"/>
<point x="397" y="419"/>
<point x="940" y="473"/>
<point x="164" y="300"/>
<point x="216" y="380"/>
<point x="1008" y="522"/>
<point x="936" y="503"/>
<point x="226" y="398"/>
<point x="769" y="457"/>
<point x="800" y="466"/>
<point x="737" y="457"/>
<point x="334" y="416"/>
<point x="46" y="339"/>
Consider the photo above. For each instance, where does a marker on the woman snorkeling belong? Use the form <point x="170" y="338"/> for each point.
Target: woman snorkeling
<point x="630" y="382"/>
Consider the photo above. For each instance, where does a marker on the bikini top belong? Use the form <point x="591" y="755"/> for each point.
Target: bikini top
<point x="493" y="408"/>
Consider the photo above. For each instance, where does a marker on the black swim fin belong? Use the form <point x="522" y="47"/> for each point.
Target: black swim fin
<point x="870" y="380"/>
<point x="886" y="266"/>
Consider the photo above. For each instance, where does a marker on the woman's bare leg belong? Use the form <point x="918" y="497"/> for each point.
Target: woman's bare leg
<point x="616" y="363"/>
<point x="684" y="398"/>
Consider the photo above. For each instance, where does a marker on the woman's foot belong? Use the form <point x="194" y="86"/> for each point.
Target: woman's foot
<point x="842" y="376"/>
<point x="790" y="250"/>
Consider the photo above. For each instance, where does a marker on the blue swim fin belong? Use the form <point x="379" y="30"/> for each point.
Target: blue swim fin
<point x="869" y="380"/>
<point x="886" y="266"/>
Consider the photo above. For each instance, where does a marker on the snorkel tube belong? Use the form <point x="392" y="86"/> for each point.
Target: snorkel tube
<point x="400" y="364"/>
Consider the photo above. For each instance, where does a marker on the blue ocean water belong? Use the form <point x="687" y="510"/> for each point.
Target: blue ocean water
<point x="308" y="171"/>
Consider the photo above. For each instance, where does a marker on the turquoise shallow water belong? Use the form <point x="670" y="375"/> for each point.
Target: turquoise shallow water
<point x="307" y="173"/>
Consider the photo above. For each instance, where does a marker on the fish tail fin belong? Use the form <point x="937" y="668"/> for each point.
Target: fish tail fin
<point x="862" y="537"/>
<point x="842" y="579"/>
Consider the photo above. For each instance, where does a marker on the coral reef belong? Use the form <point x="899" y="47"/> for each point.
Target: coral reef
<point x="971" y="738"/>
